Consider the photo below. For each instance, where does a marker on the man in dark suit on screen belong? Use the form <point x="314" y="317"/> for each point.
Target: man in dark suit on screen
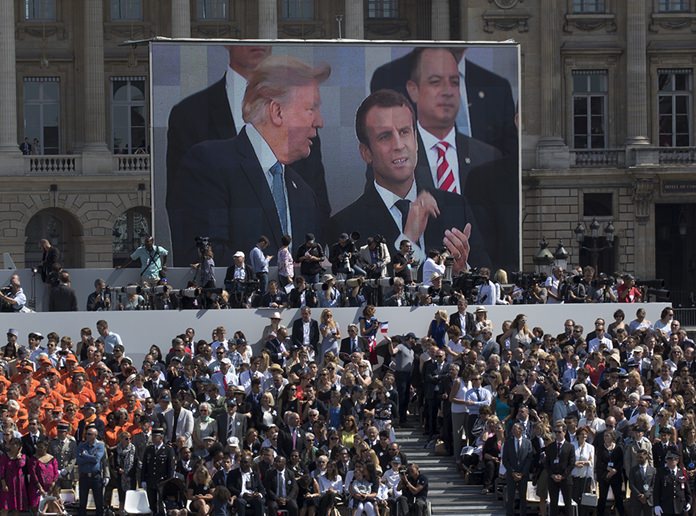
<point x="393" y="205"/>
<point x="215" y="113"/>
<point x="234" y="190"/>
<point x="488" y="113"/>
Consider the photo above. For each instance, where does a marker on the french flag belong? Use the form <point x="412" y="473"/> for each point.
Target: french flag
<point x="384" y="327"/>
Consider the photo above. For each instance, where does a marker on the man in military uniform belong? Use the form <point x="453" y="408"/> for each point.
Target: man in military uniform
<point x="672" y="494"/>
<point x="158" y="465"/>
<point x="63" y="448"/>
<point x="641" y="480"/>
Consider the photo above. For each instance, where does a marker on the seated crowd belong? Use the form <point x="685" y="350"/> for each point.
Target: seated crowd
<point x="307" y="423"/>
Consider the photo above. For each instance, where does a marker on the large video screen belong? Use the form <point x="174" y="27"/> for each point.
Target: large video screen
<point x="405" y="142"/>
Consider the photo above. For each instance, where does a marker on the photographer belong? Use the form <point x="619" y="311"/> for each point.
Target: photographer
<point x="302" y="295"/>
<point x="404" y="263"/>
<point x="206" y="263"/>
<point x="329" y="296"/>
<point x="153" y="261"/>
<point x="374" y="257"/>
<point x="100" y="299"/>
<point x="398" y="296"/>
<point x="414" y="486"/>
<point x="343" y="256"/>
<point x="275" y="297"/>
<point x="604" y="293"/>
<point x="309" y="256"/>
<point x="162" y="298"/>
<point x="12" y="296"/>
<point x="576" y="293"/>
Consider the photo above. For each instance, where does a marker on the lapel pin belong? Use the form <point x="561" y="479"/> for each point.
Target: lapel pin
<point x="467" y="160"/>
<point x="482" y="94"/>
<point x="294" y="185"/>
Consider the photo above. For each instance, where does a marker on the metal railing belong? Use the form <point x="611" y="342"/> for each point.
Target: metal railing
<point x="598" y="157"/>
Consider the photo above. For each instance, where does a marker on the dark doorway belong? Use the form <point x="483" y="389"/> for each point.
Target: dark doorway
<point x="675" y="250"/>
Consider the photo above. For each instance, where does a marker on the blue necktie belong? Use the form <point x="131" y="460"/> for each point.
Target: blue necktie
<point x="279" y="196"/>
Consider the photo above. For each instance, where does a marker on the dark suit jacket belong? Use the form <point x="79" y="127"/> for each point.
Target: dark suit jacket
<point x="62" y="299"/>
<point x="670" y="493"/>
<point x="206" y="115"/>
<point x="345" y="347"/>
<point x="492" y="192"/>
<point x="298" y="334"/>
<point x="222" y="193"/>
<point x="517" y="462"/>
<point x="566" y="460"/>
<point x="234" y="482"/>
<point x="285" y="441"/>
<point x="271" y="485"/>
<point x="491" y="107"/>
<point x="636" y="482"/>
<point x="369" y="216"/>
<point x="456" y="320"/>
<point x="431" y="379"/>
<point x="28" y="446"/>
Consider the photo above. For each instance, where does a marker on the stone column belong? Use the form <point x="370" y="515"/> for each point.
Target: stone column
<point x="95" y="96"/>
<point x="355" y="19"/>
<point x="181" y="19"/>
<point x="440" y="20"/>
<point x="636" y="75"/>
<point x="268" y="19"/>
<point x="552" y="152"/>
<point x="9" y="143"/>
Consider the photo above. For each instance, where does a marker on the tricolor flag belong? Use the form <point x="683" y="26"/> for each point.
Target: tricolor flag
<point x="384" y="327"/>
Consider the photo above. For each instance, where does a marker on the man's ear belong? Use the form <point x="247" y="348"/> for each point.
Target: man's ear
<point x="412" y="89"/>
<point x="275" y="113"/>
<point x="365" y="153"/>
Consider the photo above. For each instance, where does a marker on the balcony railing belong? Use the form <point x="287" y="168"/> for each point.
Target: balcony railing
<point x="597" y="158"/>
<point x="677" y="155"/>
<point x="132" y="162"/>
<point x="61" y="165"/>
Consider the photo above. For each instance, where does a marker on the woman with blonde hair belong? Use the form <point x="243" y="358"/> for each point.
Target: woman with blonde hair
<point x="635" y="383"/>
<point x="438" y="328"/>
<point x="200" y="491"/>
<point x="330" y="333"/>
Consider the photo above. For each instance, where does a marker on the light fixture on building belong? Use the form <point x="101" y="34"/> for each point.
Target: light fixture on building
<point x="594" y="248"/>
<point x="543" y="259"/>
<point x="561" y="256"/>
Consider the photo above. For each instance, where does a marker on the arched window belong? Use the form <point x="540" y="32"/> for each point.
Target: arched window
<point x="62" y="229"/>
<point x="129" y="229"/>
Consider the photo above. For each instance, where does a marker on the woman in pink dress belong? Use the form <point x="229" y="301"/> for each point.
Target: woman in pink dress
<point x="43" y="473"/>
<point x="13" y="495"/>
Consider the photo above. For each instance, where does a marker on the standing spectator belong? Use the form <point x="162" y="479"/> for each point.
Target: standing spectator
<point x="402" y="356"/>
<point x="433" y="264"/>
<point x="108" y="338"/>
<point x="517" y="459"/>
<point x="206" y="267"/>
<point x="309" y="256"/>
<point x="628" y="292"/>
<point x="124" y="462"/>
<point x="62" y="297"/>
<point x="42" y="472"/>
<point x="560" y="461"/>
<point x="584" y="466"/>
<point x="153" y="261"/>
<point x="672" y="494"/>
<point x="474" y="400"/>
<point x="25" y="147"/>
<point x="641" y="481"/>
<point x="286" y="265"/>
<point x="260" y="261"/>
<point x="491" y="452"/>
<point x="50" y="257"/>
<point x="438" y="328"/>
<point x="36" y="147"/>
<point x="90" y="463"/>
<point x="433" y="372"/>
<point x="330" y="333"/>
<point x="281" y="488"/>
<point x="158" y="465"/>
<point x="609" y="472"/>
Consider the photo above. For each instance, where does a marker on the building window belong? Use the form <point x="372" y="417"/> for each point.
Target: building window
<point x="673" y="6"/>
<point x="674" y="107"/>
<point x="128" y="231"/>
<point x="126" y="10"/>
<point x="42" y="114"/>
<point x="212" y="10"/>
<point x="128" y="127"/>
<point x="589" y="109"/>
<point x="588" y="6"/>
<point x="297" y="9"/>
<point x="41" y="10"/>
<point x="382" y="8"/>
<point x="597" y="204"/>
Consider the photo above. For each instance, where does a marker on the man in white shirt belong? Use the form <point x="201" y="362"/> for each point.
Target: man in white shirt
<point x="600" y="338"/>
<point x="474" y="399"/>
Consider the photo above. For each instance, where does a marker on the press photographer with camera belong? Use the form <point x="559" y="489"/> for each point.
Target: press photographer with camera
<point x="309" y="256"/>
<point x="12" y="297"/>
<point x="206" y="263"/>
<point x="404" y="263"/>
<point x="414" y="486"/>
<point x="100" y="299"/>
<point x="374" y="257"/>
<point x="302" y="294"/>
<point x="343" y="257"/>
<point x="153" y="261"/>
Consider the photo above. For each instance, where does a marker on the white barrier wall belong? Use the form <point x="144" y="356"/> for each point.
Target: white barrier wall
<point x="141" y="329"/>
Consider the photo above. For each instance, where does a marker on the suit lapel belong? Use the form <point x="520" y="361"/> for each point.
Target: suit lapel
<point x="223" y="124"/>
<point x="424" y="178"/>
<point x="375" y="210"/>
<point x="255" y="176"/>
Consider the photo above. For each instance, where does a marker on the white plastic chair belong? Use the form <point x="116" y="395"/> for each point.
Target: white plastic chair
<point x="136" y="502"/>
<point x="68" y="496"/>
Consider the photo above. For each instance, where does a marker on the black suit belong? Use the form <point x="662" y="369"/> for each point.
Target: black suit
<point x="560" y="464"/>
<point x="491" y="107"/>
<point x="671" y="492"/>
<point x="158" y="466"/>
<point x="517" y="461"/>
<point x="222" y="192"/>
<point x="369" y="216"/>
<point x="255" y="504"/>
<point x="298" y="334"/>
<point x="637" y="483"/>
<point x="492" y="191"/>
<point x="285" y="446"/>
<point x="206" y="115"/>
<point x="346" y="348"/>
<point x="432" y="392"/>
<point x="28" y="445"/>
<point x="456" y="320"/>
<point x="273" y="492"/>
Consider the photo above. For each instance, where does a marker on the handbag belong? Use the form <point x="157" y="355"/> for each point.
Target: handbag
<point x="589" y="498"/>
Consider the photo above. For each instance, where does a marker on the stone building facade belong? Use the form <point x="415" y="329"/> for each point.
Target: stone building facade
<point x="607" y="114"/>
